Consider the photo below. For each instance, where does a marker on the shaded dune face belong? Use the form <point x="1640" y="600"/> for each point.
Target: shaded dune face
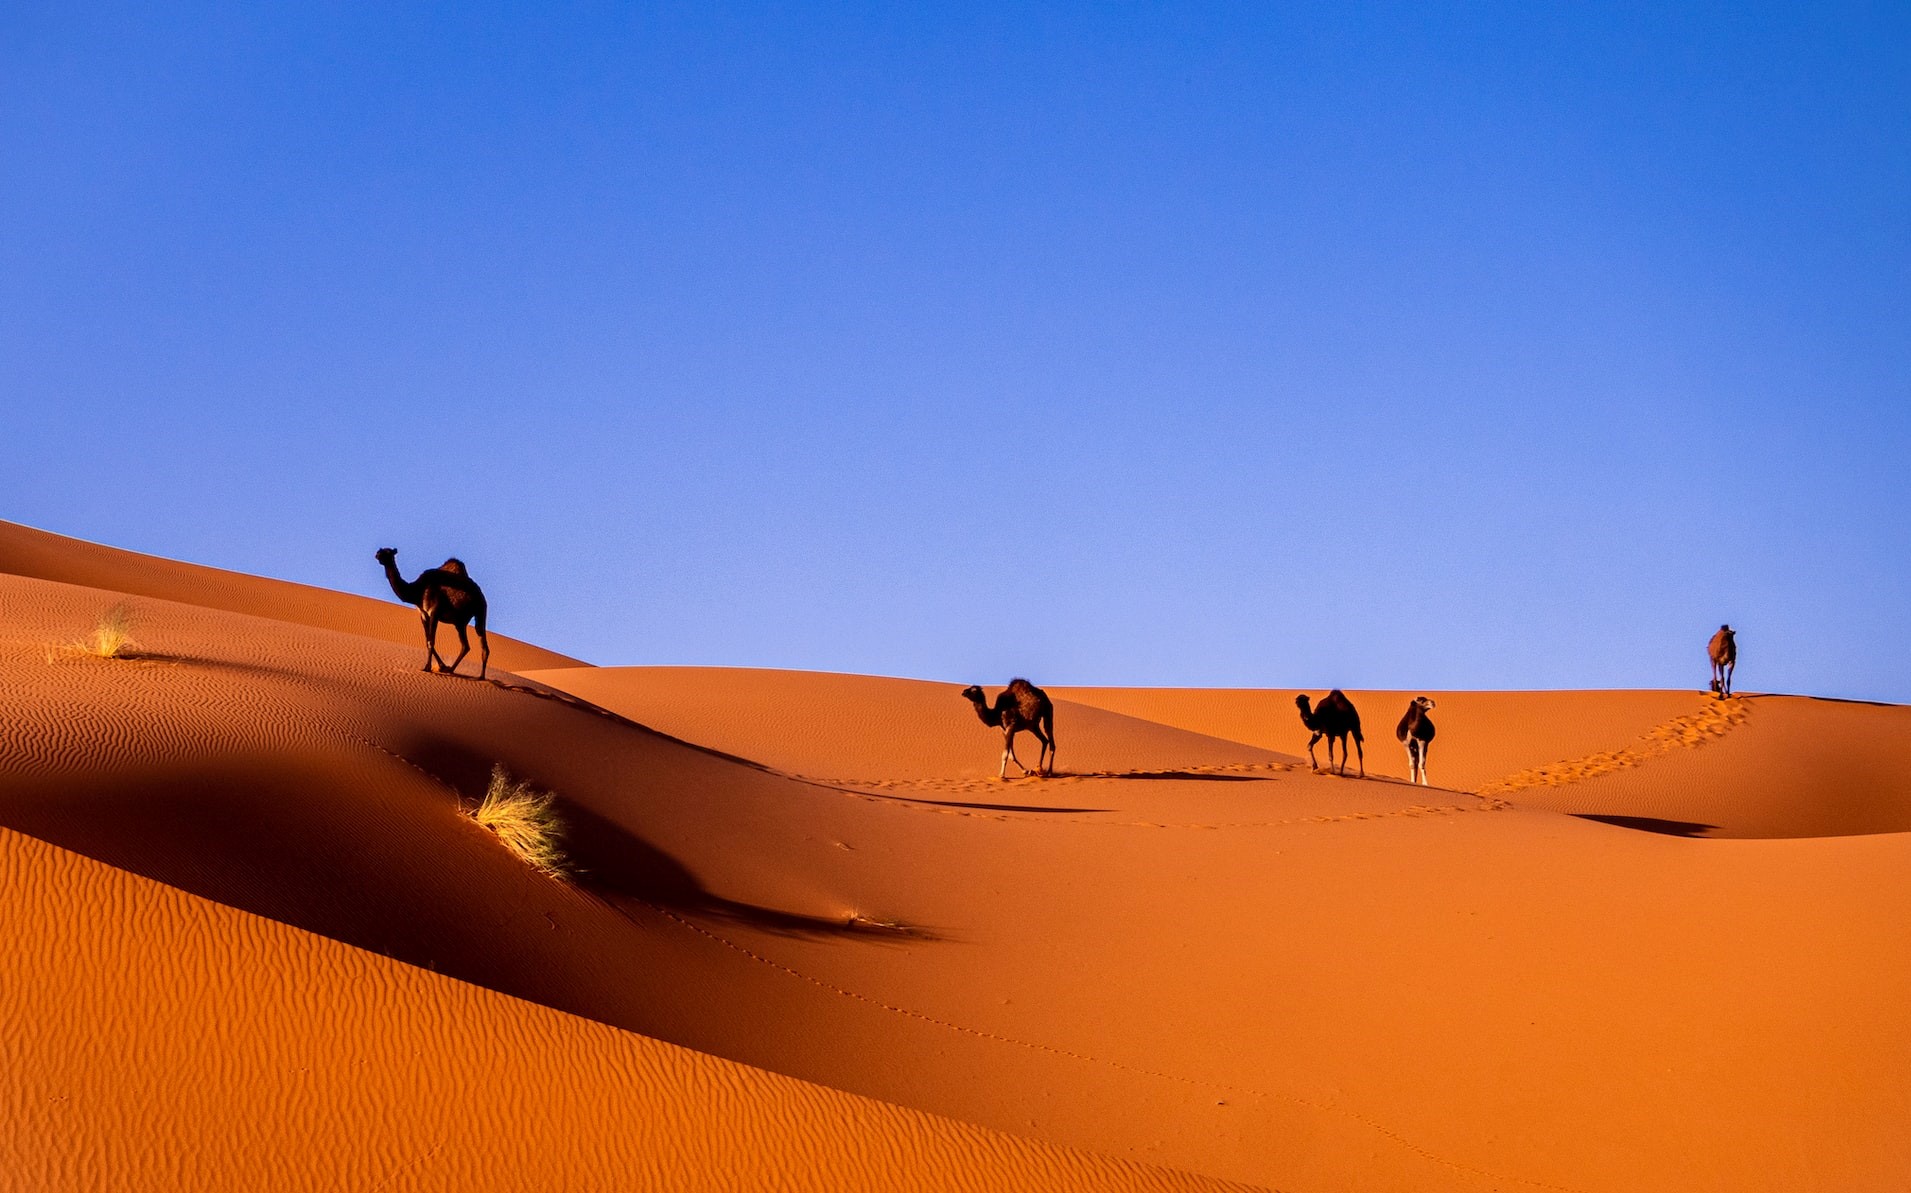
<point x="246" y="1054"/>
<point x="1185" y="950"/>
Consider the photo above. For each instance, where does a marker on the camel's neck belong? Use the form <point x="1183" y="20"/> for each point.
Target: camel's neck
<point x="990" y="716"/>
<point x="407" y="593"/>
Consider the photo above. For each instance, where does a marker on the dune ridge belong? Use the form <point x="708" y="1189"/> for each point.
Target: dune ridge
<point x="42" y="555"/>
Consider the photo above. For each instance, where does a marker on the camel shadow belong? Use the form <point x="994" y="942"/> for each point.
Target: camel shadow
<point x="1650" y="824"/>
<point x="980" y="807"/>
<point x="1179" y="776"/>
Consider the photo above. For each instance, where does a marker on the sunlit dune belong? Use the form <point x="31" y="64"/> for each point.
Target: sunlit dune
<point x="802" y="936"/>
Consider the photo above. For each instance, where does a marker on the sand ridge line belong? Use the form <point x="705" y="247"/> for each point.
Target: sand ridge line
<point x="1067" y="1053"/>
<point x="583" y="705"/>
<point x="1689" y="732"/>
<point x="1244" y="770"/>
<point x="1077" y="817"/>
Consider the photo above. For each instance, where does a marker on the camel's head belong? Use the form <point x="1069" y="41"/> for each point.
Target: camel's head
<point x="1422" y="703"/>
<point x="973" y="694"/>
<point x="387" y="554"/>
<point x="1301" y="702"/>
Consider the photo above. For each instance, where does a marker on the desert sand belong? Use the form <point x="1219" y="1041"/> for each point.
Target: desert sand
<point x="1632" y="940"/>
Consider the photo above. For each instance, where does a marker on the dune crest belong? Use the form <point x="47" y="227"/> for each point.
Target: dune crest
<point x="1680" y="733"/>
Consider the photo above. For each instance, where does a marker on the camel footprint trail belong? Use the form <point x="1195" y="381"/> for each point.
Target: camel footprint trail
<point x="1708" y="725"/>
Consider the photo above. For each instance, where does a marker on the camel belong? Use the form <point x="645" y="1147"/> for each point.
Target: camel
<point x="1335" y="719"/>
<point x="1724" y="651"/>
<point x="1020" y="706"/>
<point x="1416" y="733"/>
<point x="448" y="594"/>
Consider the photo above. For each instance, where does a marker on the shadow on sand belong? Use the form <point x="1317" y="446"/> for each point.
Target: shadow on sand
<point x="1651" y="824"/>
<point x="1183" y="776"/>
<point x="616" y="865"/>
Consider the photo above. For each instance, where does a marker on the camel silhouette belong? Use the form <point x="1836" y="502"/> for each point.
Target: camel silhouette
<point x="1020" y="706"/>
<point x="445" y="594"/>
<point x="1335" y="719"/>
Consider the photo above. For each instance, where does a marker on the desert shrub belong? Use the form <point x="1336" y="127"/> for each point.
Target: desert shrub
<point x="112" y="635"/>
<point x="526" y="821"/>
<point x="111" y="638"/>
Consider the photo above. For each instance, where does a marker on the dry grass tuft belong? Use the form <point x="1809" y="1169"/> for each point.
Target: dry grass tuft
<point x="526" y="821"/>
<point x="112" y="638"/>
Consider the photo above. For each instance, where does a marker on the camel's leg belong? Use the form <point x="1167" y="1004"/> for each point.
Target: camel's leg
<point x="431" y="641"/>
<point x="1042" y="762"/>
<point x="1313" y="762"/>
<point x="1330" y="756"/>
<point x="464" y="646"/>
<point x="1049" y="740"/>
<point x="484" y="646"/>
<point x="1008" y="752"/>
<point x="1009" y="742"/>
<point x="1729" y="668"/>
<point x="1426" y="747"/>
<point x="1360" y="749"/>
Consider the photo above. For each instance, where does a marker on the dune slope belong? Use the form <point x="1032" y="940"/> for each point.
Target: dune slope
<point x="164" y="1042"/>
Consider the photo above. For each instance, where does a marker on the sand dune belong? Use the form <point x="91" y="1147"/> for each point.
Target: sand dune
<point x="864" y="728"/>
<point x="1680" y="762"/>
<point x="1187" y="952"/>
<point x="25" y="551"/>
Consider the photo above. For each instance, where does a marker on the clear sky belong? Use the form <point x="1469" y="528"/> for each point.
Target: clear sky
<point x="1487" y="345"/>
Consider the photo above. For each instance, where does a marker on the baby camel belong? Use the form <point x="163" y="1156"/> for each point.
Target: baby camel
<point x="444" y="594"/>
<point x="1020" y="706"/>
<point x="1416" y="733"/>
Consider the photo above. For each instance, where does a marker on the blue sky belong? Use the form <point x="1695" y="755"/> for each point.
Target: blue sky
<point x="1479" y="346"/>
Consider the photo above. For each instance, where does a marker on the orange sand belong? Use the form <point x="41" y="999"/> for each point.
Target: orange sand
<point x="824" y="948"/>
